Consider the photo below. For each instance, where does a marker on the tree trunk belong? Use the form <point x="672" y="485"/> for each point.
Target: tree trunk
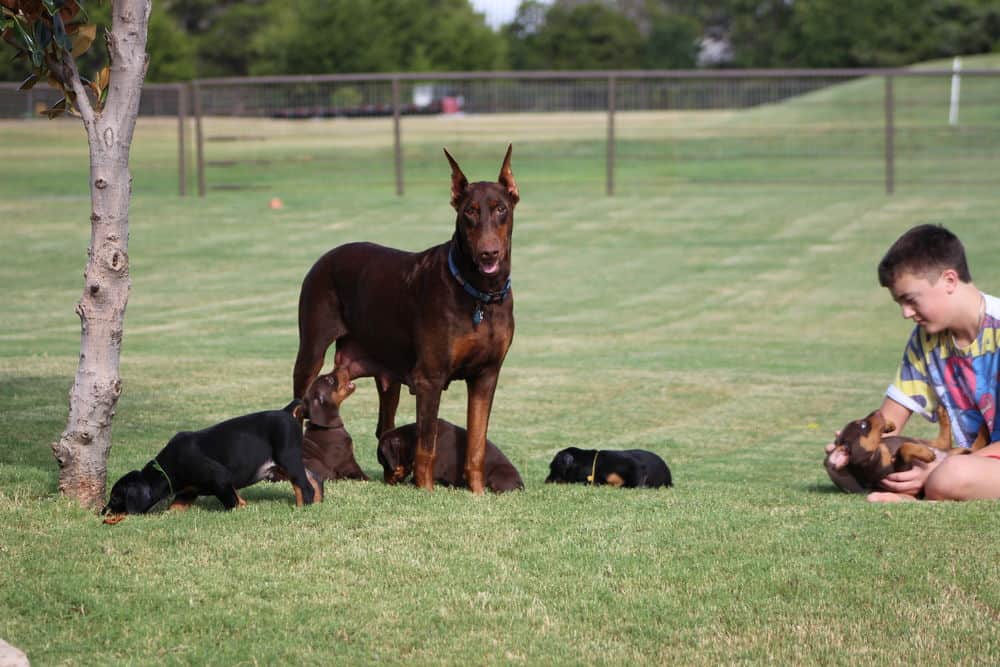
<point x="82" y="451"/>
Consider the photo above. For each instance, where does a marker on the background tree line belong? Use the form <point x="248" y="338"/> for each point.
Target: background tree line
<point x="206" y="38"/>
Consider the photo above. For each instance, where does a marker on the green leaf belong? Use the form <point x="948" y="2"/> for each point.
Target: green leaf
<point x="43" y="35"/>
<point x="62" y="39"/>
<point x="53" y="6"/>
<point x="28" y="41"/>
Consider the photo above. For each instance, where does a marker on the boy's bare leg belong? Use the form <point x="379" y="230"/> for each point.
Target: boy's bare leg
<point x="964" y="478"/>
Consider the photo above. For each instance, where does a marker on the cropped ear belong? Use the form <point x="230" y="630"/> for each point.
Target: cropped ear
<point x="459" y="183"/>
<point x="506" y="178"/>
<point x="137" y="498"/>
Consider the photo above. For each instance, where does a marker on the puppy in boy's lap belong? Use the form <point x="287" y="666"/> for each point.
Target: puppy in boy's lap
<point x="867" y="456"/>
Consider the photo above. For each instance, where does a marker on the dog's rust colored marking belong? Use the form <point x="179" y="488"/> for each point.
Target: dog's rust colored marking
<point x="316" y="489"/>
<point x="911" y="452"/>
<point x="885" y="457"/>
<point x="179" y="505"/>
<point x="299" y="501"/>
<point x="242" y="503"/>
<point x="112" y="519"/>
<point x="614" y="479"/>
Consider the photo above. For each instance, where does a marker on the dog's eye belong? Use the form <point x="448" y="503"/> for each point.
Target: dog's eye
<point x="865" y="427"/>
<point x="501" y="210"/>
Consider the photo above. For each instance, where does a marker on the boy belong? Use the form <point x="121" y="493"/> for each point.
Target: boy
<point x="952" y="357"/>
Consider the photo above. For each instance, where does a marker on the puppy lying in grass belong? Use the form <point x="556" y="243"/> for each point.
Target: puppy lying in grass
<point x="397" y="447"/>
<point x="629" y="468"/>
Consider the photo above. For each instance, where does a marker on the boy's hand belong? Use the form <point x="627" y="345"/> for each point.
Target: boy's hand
<point x="909" y="482"/>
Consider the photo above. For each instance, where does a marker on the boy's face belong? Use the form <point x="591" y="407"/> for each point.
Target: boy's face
<point x="924" y="298"/>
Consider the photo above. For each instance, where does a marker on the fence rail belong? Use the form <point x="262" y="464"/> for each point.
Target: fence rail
<point x="886" y="126"/>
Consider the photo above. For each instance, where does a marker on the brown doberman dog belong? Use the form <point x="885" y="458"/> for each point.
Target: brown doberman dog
<point x="327" y="448"/>
<point x="396" y="449"/>
<point x="872" y="455"/>
<point x="421" y="319"/>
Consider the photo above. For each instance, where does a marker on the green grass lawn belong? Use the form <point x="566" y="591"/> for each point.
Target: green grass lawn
<point x="731" y="330"/>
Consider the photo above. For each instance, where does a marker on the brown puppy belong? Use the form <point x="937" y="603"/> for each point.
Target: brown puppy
<point x="327" y="448"/>
<point x="396" y="451"/>
<point x="422" y="319"/>
<point x="872" y="455"/>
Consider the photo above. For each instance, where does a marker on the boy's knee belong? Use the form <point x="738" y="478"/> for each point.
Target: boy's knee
<point x="951" y="480"/>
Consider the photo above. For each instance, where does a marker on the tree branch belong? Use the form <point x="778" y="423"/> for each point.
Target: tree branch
<point x="82" y="101"/>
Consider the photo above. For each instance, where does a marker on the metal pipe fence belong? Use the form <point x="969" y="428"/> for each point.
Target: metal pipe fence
<point x="879" y="127"/>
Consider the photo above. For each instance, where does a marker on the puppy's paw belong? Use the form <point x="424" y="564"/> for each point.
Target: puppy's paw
<point x="838" y="458"/>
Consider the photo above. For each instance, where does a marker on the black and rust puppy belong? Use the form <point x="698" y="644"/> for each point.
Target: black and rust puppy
<point x="629" y="468"/>
<point x="397" y="447"/>
<point x="327" y="448"/>
<point x="217" y="461"/>
<point x="871" y="455"/>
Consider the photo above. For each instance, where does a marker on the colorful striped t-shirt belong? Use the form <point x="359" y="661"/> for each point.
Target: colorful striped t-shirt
<point x="965" y="380"/>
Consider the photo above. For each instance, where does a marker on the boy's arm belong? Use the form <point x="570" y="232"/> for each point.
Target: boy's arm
<point x="910" y="482"/>
<point x="896" y="413"/>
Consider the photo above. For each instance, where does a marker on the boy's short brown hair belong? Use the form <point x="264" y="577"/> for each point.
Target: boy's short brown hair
<point x="923" y="250"/>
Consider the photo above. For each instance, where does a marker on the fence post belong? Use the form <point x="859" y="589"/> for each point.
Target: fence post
<point x="198" y="138"/>
<point x="396" y="137"/>
<point x="890" y="131"/>
<point x="181" y="156"/>
<point x="610" y="159"/>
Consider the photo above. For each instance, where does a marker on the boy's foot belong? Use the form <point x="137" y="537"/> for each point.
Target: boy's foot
<point x="889" y="497"/>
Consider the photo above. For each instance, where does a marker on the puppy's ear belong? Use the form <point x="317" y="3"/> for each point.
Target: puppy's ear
<point x="559" y="468"/>
<point x="459" y="183"/>
<point x="137" y="498"/>
<point x="299" y="413"/>
<point x="566" y="460"/>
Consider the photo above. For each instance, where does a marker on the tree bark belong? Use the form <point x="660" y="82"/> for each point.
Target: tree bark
<point x="82" y="450"/>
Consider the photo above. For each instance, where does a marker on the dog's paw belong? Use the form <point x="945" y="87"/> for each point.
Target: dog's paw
<point x="838" y="458"/>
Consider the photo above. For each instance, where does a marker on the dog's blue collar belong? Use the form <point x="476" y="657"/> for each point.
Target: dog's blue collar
<point x="157" y="467"/>
<point x="481" y="297"/>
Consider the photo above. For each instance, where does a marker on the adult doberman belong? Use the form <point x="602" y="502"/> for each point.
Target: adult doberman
<point x="421" y="319"/>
